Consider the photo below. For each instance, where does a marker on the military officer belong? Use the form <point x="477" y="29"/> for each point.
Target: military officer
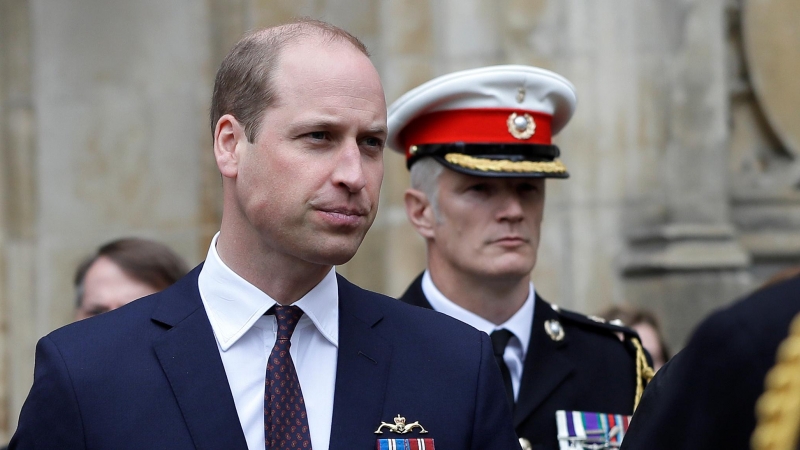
<point x="478" y="145"/>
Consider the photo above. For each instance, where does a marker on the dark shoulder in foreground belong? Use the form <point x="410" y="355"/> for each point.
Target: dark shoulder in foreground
<point x="769" y="309"/>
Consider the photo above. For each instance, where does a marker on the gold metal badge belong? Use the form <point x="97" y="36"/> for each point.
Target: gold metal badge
<point x="400" y="426"/>
<point x="521" y="126"/>
<point x="554" y="329"/>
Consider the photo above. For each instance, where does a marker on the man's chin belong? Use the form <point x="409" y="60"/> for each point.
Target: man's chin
<point x="334" y="253"/>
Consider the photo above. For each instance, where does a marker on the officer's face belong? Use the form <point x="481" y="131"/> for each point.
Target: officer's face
<point x="310" y="183"/>
<point x="488" y="227"/>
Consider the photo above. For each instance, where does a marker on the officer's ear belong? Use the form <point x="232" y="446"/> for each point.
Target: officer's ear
<point x="420" y="212"/>
<point x="230" y="141"/>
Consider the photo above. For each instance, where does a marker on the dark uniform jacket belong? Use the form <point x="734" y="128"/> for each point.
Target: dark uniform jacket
<point x="705" y="396"/>
<point x="590" y="370"/>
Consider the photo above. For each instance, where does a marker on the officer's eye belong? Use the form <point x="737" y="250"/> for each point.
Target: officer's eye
<point x="479" y="187"/>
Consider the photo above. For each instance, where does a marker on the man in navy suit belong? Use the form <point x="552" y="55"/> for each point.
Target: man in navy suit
<point x="264" y="346"/>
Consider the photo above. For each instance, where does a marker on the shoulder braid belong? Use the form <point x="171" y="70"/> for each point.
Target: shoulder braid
<point x="778" y="408"/>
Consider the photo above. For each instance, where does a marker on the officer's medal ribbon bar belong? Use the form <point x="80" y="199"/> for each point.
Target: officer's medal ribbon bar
<point x="579" y="430"/>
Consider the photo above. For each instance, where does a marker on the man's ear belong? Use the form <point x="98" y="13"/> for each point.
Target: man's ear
<point x="230" y="141"/>
<point x="420" y="212"/>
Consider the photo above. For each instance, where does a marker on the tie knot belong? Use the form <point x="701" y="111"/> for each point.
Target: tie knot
<point x="500" y="339"/>
<point x="287" y="317"/>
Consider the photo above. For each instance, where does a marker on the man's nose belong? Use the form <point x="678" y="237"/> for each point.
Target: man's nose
<point x="349" y="170"/>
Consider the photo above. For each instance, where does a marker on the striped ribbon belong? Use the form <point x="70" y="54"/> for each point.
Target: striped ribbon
<point x="405" y="444"/>
<point x="578" y="430"/>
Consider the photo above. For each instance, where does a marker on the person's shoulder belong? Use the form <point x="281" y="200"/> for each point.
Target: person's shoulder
<point x="593" y="340"/>
<point x="758" y="321"/>
<point x="120" y="321"/>
<point x="766" y="304"/>
<point x="598" y="327"/>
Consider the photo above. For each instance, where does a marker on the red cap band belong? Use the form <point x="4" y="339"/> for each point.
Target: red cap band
<point x="472" y="126"/>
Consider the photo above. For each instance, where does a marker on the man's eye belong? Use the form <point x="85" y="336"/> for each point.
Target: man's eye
<point x="317" y="135"/>
<point x="373" y="142"/>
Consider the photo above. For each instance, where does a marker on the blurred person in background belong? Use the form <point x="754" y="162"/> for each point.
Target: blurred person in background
<point x="121" y="271"/>
<point x="647" y="325"/>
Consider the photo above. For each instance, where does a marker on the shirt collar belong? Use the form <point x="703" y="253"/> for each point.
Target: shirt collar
<point x="519" y="323"/>
<point x="234" y="305"/>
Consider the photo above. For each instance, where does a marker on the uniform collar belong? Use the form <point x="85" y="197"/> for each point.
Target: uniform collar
<point x="519" y="323"/>
<point x="234" y="305"/>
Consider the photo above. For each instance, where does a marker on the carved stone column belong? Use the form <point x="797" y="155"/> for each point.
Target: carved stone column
<point x="688" y="261"/>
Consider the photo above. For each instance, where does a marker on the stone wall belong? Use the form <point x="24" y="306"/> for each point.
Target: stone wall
<point x="683" y="193"/>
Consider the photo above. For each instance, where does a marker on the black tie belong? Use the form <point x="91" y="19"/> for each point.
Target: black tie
<point x="500" y="339"/>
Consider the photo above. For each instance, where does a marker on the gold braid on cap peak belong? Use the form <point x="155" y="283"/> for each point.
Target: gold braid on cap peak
<point x="778" y="408"/>
<point x="644" y="373"/>
<point x="504" y="165"/>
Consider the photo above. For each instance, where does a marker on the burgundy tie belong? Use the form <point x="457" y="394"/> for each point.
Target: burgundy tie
<point x="285" y="419"/>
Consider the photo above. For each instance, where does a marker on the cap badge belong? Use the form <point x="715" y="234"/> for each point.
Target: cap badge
<point x="554" y="329"/>
<point x="521" y="126"/>
<point x="400" y="426"/>
<point x="520" y="95"/>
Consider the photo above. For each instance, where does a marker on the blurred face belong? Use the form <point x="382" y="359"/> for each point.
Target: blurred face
<point x="651" y="343"/>
<point x="107" y="287"/>
<point x="310" y="183"/>
<point x="488" y="227"/>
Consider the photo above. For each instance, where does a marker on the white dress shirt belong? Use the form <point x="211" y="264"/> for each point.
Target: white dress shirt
<point x="519" y="325"/>
<point x="245" y="337"/>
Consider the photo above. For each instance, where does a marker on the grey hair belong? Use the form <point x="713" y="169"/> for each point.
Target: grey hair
<point x="425" y="178"/>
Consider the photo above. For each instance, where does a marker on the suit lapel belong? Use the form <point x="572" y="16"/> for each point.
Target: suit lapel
<point x="362" y="370"/>
<point x="546" y="366"/>
<point x="190" y="359"/>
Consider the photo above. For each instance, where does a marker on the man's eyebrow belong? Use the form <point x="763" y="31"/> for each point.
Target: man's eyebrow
<point x="318" y="123"/>
<point x="377" y="130"/>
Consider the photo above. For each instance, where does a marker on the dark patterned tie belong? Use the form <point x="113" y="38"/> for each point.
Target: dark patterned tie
<point x="500" y="339"/>
<point x="285" y="419"/>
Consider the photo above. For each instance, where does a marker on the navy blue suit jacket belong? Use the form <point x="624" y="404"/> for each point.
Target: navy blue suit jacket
<point x="149" y="376"/>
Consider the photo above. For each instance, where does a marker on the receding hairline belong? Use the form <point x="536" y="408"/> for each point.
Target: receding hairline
<point x="237" y="79"/>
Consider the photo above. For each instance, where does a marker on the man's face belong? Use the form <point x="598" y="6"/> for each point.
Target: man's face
<point x="107" y="287"/>
<point x="310" y="183"/>
<point x="487" y="227"/>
